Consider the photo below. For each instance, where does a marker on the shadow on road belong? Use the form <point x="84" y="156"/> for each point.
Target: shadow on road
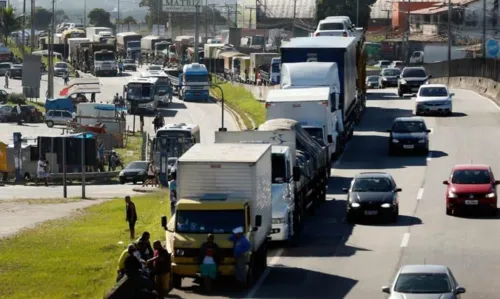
<point x="337" y="183"/>
<point x="437" y="154"/>
<point x="385" y="96"/>
<point x="176" y="106"/>
<point x="403" y="220"/>
<point x="284" y="282"/>
<point x="167" y="113"/>
<point x="378" y="119"/>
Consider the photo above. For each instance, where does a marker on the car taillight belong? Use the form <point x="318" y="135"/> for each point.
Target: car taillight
<point x="316" y="34"/>
<point x="268" y="105"/>
<point x="344" y="34"/>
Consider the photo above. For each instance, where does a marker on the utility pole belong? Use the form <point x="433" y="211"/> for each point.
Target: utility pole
<point x="407" y="44"/>
<point x="118" y="13"/>
<point x="484" y="29"/>
<point x="205" y="15"/>
<point x="228" y="14"/>
<point x="50" y="91"/>
<point x="32" y="26"/>
<point x="158" y="17"/>
<point x="450" y="39"/>
<point x="294" y="14"/>
<point x="197" y="34"/>
<point x="236" y="15"/>
<point x="85" y="13"/>
<point x="357" y="13"/>
<point x="24" y="29"/>
<point x="213" y="17"/>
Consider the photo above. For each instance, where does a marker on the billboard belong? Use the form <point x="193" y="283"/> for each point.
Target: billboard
<point x="31" y="74"/>
<point x="182" y="5"/>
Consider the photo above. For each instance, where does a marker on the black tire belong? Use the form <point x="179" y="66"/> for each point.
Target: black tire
<point x="134" y="182"/>
<point x="395" y="216"/>
<point x="449" y="212"/>
<point x="50" y="124"/>
<point x="400" y="93"/>
<point x="176" y="281"/>
<point x="122" y="181"/>
<point x="493" y="212"/>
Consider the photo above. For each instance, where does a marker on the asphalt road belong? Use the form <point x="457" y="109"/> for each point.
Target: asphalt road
<point x="337" y="260"/>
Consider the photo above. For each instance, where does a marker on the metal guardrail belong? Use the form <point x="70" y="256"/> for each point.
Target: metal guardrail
<point x="105" y="175"/>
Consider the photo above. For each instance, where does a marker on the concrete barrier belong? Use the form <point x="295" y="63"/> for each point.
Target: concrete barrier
<point x="105" y="175"/>
<point x="484" y="86"/>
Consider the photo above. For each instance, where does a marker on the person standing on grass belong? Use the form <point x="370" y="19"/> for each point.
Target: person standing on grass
<point x="131" y="215"/>
<point x="161" y="268"/>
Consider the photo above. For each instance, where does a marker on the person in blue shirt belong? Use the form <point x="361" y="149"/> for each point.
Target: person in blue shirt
<point x="241" y="248"/>
<point x="172" y="185"/>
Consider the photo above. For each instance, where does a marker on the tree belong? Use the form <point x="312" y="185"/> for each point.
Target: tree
<point x="43" y="18"/>
<point x="327" y="8"/>
<point x="100" y="18"/>
<point x="61" y="16"/>
<point x="128" y="20"/>
<point x="9" y="21"/>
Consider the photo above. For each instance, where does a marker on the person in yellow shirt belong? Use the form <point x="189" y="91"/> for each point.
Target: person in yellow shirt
<point x="121" y="261"/>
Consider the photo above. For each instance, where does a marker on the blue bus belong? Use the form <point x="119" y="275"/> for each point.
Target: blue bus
<point x="164" y="86"/>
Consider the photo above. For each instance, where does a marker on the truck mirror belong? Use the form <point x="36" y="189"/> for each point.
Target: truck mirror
<point x="330" y="138"/>
<point x="296" y="173"/>
<point x="258" y="221"/>
<point x="164" y="222"/>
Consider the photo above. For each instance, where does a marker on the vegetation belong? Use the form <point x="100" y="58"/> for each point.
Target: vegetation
<point x="43" y="18"/>
<point x="128" y="20"/>
<point x="242" y="102"/>
<point x="132" y="150"/>
<point x="15" y="98"/>
<point x="75" y="257"/>
<point x="327" y="8"/>
<point x="9" y="21"/>
<point x="100" y="18"/>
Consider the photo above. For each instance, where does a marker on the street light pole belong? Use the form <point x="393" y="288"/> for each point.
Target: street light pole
<point x="24" y="28"/>
<point x="50" y="90"/>
<point x="85" y="13"/>
<point x="158" y="17"/>
<point x="32" y="26"/>
<point x="221" y="129"/>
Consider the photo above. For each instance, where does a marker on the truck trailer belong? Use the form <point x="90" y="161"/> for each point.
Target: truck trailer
<point x="221" y="187"/>
<point x="128" y="44"/>
<point x="149" y="43"/>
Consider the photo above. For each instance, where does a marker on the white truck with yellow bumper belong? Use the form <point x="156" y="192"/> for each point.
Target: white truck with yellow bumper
<point x="220" y="187"/>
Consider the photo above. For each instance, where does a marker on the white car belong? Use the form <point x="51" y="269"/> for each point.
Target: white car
<point x="154" y="68"/>
<point x="434" y="98"/>
<point x="335" y="27"/>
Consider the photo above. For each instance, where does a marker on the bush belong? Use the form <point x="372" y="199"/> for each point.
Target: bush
<point x="16" y="98"/>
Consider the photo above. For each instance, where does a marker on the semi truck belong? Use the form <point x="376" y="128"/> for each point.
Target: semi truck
<point x="310" y="167"/>
<point x="72" y="33"/>
<point x="348" y="54"/>
<point x="93" y="32"/>
<point x="221" y="187"/>
<point x="149" y="44"/>
<point x="270" y="74"/>
<point x="285" y="185"/>
<point x="72" y="42"/>
<point x="95" y="58"/>
<point x="192" y="83"/>
<point x="128" y="44"/>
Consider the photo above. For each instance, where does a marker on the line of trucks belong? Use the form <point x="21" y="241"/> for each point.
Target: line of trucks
<point x="268" y="180"/>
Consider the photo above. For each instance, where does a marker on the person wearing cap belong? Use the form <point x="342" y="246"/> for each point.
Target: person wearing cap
<point x="121" y="261"/>
<point x="161" y="268"/>
<point x="209" y="261"/>
<point x="241" y="247"/>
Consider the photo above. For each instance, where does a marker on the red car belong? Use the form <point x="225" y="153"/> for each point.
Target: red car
<point x="471" y="187"/>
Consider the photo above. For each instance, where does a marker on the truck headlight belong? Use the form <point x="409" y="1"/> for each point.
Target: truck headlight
<point x="179" y="252"/>
<point x="278" y="220"/>
<point x="395" y="141"/>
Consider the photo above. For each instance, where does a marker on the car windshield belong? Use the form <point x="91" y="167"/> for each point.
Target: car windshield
<point x="155" y="68"/>
<point x="473" y="177"/>
<point x="171" y="161"/>
<point x="331" y="26"/>
<point x="61" y="65"/>
<point x="128" y="61"/>
<point x="416" y="73"/>
<point x="204" y="222"/>
<point x="385" y="62"/>
<point x="4" y="66"/>
<point x="138" y="165"/>
<point x="408" y="127"/>
<point x="423" y="283"/>
<point x="433" y="92"/>
<point x="372" y="185"/>
<point x="391" y="72"/>
<point x="373" y="79"/>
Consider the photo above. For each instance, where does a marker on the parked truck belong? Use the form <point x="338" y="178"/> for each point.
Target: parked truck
<point x="285" y="185"/>
<point x="257" y="62"/>
<point x="192" y="83"/>
<point x="149" y="43"/>
<point x="95" y="58"/>
<point x="72" y="42"/>
<point x="310" y="167"/>
<point x="72" y="33"/>
<point x="220" y="187"/>
<point x="270" y="74"/>
<point x="311" y="107"/>
<point x="348" y="55"/>
<point x="93" y="32"/>
<point x="128" y="44"/>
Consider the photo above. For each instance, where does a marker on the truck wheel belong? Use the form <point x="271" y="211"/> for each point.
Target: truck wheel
<point x="176" y="281"/>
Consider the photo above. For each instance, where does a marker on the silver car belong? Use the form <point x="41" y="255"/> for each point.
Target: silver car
<point x="424" y="281"/>
<point x="58" y="117"/>
<point x="4" y="67"/>
<point x="60" y="69"/>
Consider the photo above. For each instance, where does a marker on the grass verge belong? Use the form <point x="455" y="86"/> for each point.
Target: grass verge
<point x="37" y="105"/>
<point x="45" y="201"/>
<point x="75" y="257"/>
<point x="242" y="102"/>
<point x="132" y="150"/>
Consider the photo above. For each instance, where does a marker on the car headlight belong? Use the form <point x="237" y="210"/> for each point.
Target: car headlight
<point x="386" y="205"/>
<point x="421" y="141"/>
<point x="121" y="173"/>
<point x="395" y="141"/>
<point x="355" y="205"/>
<point x="451" y="195"/>
<point x="278" y="220"/>
<point x="384" y="79"/>
<point x="179" y="252"/>
<point x="402" y="81"/>
<point x="491" y="195"/>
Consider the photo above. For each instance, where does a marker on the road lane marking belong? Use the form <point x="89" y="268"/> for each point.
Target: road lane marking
<point x="420" y="193"/>
<point x="406" y="239"/>
<point x="260" y="282"/>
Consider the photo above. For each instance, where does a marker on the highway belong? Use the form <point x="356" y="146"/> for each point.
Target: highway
<point x="337" y="260"/>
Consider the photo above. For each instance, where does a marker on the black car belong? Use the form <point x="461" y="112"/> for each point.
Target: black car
<point x="29" y="114"/>
<point x="409" y="134"/>
<point x="136" y="171"/>
<point x="389" y="77"/>
<point x="16" y="71"/>
<point x="129" y="65"/>
<point x="372" y="194"/>
<point x="411" y="79"/>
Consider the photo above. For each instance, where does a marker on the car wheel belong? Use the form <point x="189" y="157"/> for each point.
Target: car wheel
<point x="134" y="182"/>
<point x="50" y="124"/>
<point x="450" y="113"/>
<point x="400" y="93"/>
<point x="395" y="216"/>
<point x="122" y="181"/>
<point x="449" y="211"/>
<point x="349" y="218"/>
<point x="493" y="212"/>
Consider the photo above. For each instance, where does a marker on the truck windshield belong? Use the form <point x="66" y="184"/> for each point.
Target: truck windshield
<point x="134" y="44"/>
<point x="315" y="132"/>
<point x="276" y="68"/>
<point x="104" y="57"/>
<point x="258" y="40"/>
<point x="196" y="78"/>
<point x="161" y="47"/>
<point x="139" y="91"/>
<point x="278" y="165"/>
<point x="204" y="222"/>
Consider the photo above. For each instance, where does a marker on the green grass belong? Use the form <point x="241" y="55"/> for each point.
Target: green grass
<point x="370" y="67"/>
<point x="132" y="150"/>
<point x="242" y="102"/>
<point x="75" y="257"/>
<point x="37" y="105"/>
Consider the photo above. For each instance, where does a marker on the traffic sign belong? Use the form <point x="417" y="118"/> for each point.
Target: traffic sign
<point x="181" y="5"/>
<point x="492" y="48"/>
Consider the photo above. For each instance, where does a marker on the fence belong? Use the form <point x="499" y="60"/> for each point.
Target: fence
<point x="467" y="67"/>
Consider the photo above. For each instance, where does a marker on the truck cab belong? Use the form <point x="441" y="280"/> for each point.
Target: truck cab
<point x="194" y="82"/>
<point x="133" y="49"/>
<point x="105" y="63"/>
